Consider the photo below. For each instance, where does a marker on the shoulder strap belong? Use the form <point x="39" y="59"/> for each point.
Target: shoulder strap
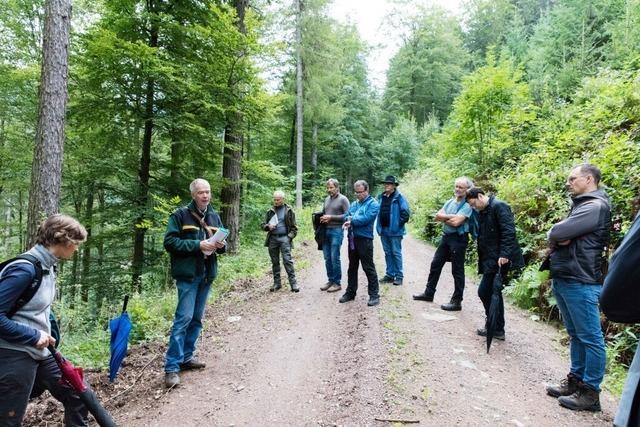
<point x="201" y="222"/>
<point x="32" y="288"/>
<point x="460" y="206"/>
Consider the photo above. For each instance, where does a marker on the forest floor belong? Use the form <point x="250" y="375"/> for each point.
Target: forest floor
<point x="303" y="359"/>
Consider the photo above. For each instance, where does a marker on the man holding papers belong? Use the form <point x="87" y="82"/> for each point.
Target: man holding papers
<point x="192" y="245"/>
<point x="280" y="225"/>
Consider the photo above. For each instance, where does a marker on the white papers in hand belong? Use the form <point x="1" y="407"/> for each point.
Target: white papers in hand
<point x="274" y="221"/>
<point x="219" y="236"/>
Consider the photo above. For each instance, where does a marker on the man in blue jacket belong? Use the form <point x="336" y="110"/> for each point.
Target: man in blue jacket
<point x="393" y="215"/>
<point x="359" y="221"/>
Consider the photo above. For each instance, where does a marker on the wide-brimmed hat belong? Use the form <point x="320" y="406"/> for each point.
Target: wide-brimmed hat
<point x="390" y="179"/>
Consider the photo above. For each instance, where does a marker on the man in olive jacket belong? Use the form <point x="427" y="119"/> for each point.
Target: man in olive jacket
<point x="280" y="225"/>
<point x="498" y="248"/>
<point x="194" y="265"/>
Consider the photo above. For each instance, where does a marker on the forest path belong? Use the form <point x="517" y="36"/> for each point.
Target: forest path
<point x="277" y="359"/>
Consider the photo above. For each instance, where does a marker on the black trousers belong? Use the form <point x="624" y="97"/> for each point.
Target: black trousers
<point x="452" y="248"/>
<point x="362" y="254"/>
<point x="19" y="374"/>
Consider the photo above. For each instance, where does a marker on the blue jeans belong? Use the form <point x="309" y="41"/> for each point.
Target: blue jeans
<point x="578" y="304"/>
<point x="392" y="247"/>
<point x="187" y="324"/>
<point x="331" y="250"/>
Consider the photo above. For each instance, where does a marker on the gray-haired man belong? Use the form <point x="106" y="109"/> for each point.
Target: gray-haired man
<point x="280" y="225"/>
<point x="453" y="245"/>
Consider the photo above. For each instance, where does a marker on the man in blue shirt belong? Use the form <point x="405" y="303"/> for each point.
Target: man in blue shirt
<point x="359" y="221"/>
<point x="453" y="245"/>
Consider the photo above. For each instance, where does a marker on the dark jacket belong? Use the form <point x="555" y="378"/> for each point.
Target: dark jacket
<point x="398" y="216"/>
<point x="620" y="297"/>
<point x="497" y="237"/>
<point x="289" y="223"/>
<point x="588" y="227"/>
<point x="182" y="241"/>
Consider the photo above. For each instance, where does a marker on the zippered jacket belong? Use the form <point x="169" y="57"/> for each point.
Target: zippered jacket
<point x="398" y="216"/>
<point x="363" y="215"/>
<point x="588" y="227"/>
<point x="289" y="222"/>
<point x="182" y="241"/>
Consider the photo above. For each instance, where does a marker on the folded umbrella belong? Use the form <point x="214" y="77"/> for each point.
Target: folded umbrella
<point x="120" y="328"/>
<point x="73" y="377"/>
<point x="495" y="308"/>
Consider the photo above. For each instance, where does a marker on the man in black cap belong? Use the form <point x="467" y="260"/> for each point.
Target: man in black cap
<point x="393" y="215"/>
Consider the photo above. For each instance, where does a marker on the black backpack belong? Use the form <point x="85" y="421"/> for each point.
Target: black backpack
<point x="30" y="290"/>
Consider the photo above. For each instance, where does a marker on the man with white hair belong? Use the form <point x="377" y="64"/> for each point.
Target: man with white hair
<point x="453" y="245"/>
<point x="186" y="241"/>
<point x="280" y="225"/>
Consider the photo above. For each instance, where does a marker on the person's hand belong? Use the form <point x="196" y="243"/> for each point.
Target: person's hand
<point x="325" y="219"/>
<point x="220" y="245"/>
<point x="206" y="246"/>
<point x="45" y="340"/>
<point x="271" y="226"/>
<point x="346" y="225"/>
<point x="564" y="242"/>
<point x="503" y="261"/>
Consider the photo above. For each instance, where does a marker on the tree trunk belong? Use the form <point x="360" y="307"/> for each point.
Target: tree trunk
<point x="46" y="170"/>
<point x="299" y="98"/>
<point x="314" y="151"/>
<point x="145" y="165"/>
<point x="86" y="248"/>
<point x="232" y="159"/>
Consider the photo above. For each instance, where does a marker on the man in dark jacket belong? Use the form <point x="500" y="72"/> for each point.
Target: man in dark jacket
<point x="577" y="244"/>
<point x="393" y="215"/>
<point x="498" y="249"/>
<point x="194" y="265"/>
<point x="280" y="225"/>
<point x="620" y="302"/>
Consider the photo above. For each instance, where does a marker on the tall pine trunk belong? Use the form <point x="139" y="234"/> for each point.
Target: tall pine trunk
<point x="145" y="166"/>
<point x="46" y="170"/>
<point x="299" y="100"/>
<point x="232" y="159"/>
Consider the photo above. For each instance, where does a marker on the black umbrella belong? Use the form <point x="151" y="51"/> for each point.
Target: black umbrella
<point x="74" y="378"/>
<point x="495" y="308"/>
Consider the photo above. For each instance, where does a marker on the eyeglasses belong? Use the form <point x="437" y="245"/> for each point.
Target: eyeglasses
<point x="573" y="178"/>
<point x="361" y="192"/>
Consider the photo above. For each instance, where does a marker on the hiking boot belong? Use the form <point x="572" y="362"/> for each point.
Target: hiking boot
<point x="386" y="279"/>
<point x="326" y="286"/>
<point x="397" y="282"/>
<point x="373" y="301"/>
<point x="274" y="288"/>
<point x="294" y="287"/>
<point x="334" y="288"/>
<point x="567" y="387"/>
<point x="497" y="335"/>
<point x="171" y="379"/>
<point x="423" y="297"/>
<point x="192" y="364"/>
<point x="585" y="398"/>
<point x="452" y="306"/>
<point x="346" y="298"/>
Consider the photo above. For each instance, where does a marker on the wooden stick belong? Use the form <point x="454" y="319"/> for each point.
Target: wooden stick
<point x="134" y="382"/>
<point x="393" y="420"/>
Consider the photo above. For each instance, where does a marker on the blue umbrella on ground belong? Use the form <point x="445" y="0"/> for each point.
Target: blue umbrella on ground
<point x="120" y="328"/>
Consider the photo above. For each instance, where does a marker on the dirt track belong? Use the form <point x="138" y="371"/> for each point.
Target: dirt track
<point x="288" y="359"/>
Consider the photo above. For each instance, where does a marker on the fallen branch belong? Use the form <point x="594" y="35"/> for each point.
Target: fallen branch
<point x="134" y="381"/>
<point x="398" y="420"/>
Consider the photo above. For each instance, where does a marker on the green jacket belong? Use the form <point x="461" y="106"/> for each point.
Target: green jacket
<point x="182" y="241"/>
<point x="289" y="222"/>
